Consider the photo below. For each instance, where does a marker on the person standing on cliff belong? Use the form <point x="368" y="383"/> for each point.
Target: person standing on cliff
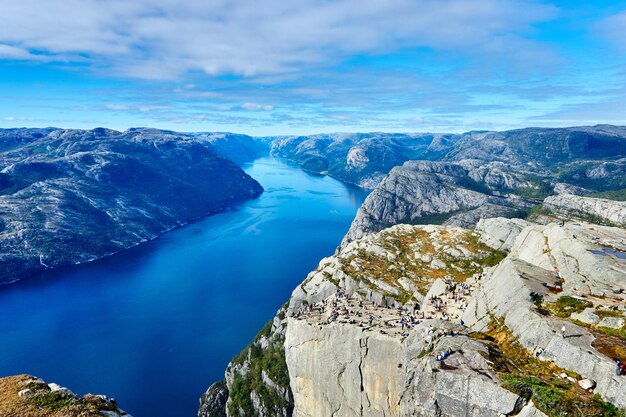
<point x="563" y="331"/>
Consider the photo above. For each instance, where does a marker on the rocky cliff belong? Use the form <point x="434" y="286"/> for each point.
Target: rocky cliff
<point x="552" y="275"/>
<point x="494" y="174"/>
<point x="28" y="396"/>
<point x="439" y="192"/>
<point x="71" y="196"/>
<point x="461" y="319"/>
<point x="447" y="321"/>
<point x="596" y="209"/>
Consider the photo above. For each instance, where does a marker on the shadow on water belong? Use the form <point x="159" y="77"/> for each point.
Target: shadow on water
<point x="154" y="325"/>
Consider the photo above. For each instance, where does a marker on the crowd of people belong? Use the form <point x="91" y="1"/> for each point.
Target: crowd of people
<point x="452" y="303"/>
<point x="398" y="319"/>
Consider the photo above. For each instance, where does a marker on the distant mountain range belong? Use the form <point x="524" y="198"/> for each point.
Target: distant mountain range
<point x="68" y="196"/>
<point x="584" y="156"/>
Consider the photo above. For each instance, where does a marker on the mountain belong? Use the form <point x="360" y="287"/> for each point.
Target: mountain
<point x="71" y="196"/>
<point x="362" y="159"/>
<point x="440" y="192"/>
<point x="496" y="174"/>
<point x="238" y="148"/>
<point x="588" y="155"/>
<point x="440" y="320"/>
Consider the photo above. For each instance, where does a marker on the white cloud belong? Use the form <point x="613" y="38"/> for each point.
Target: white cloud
<point x="117" y="107"/>
<point x="256" y="107"/>
<point x="13" y="52"/>
<point x="144" y="108"/>
<point x="613" y="28"/>
<point x="158" y="39"/>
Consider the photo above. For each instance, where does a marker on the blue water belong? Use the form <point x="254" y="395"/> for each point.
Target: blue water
<point x="153" y="326"/>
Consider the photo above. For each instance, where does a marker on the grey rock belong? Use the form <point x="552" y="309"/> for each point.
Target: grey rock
<point x="612" y="212"/>
<point x="213" y="401"/>
<point x="587" y="383"/>
<point x="360" y="158"/>
<point x="539" y="251"/>
<point x="427" y="192"/>
<point x="25" y="393"/>
<point x="588" y="316"/>
<point x="500" y="232"/>
<point x="563" y="188"/>
<point x="612" y="322"/>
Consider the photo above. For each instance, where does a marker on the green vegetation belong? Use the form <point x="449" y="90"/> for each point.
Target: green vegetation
<point x="272" y="361"/>
<point x="559" y="398"/>
<point x="618" y="195"/>
<point x="531" y="378"/>
<point x="411" y="252"/>
<point x="473" y="185"/>
<point x="329" y="277"/>
<point x="52" y="401"/>
<point x="565" y="306"/>
<point x="538" y="211"/>
<point x="576" y="174"/>
<point x="614" y="312"/>
<point x="539" y="190"/>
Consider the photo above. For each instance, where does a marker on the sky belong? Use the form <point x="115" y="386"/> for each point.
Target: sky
<point x="276" y="67"/>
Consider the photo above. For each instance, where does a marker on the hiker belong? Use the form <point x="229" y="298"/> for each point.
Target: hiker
<point x="563" y="331"/>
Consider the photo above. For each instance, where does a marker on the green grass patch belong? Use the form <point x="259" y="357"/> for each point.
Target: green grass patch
<point x="565" y="306"/>
<point x="617" y="195"/>
<point x="530" y="378"/>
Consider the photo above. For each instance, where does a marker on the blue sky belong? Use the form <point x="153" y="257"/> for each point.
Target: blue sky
<point x="269" y="67"/>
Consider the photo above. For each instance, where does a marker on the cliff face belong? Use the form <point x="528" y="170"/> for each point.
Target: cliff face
<point x="600" y="210"/>
<point x="28" y="396"/>
<point x="445" y="321"/>
<point x="71" y="196"/>
<point x="438" y="192"/>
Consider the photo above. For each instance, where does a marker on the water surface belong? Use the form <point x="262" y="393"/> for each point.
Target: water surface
<point x="153" y="326"/>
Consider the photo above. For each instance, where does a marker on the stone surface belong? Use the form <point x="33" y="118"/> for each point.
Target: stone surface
<point x="360" y="158"/>
<point x="213" y="401"/>
<point x="612" y="322"/>
<point x="588" y="316"/>
<point x="612" y="212"/>
<point x="587" y="383"/>
<point x="427" y="192"/>
<point x="25" y="393"/>
<point x="538" y="253"/>
<point x="499" y="232"/>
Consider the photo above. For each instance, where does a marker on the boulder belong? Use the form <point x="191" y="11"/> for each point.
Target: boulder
<point x="587" y="383"/>
<point x="25" y="393"/>
<point x="612" y="322"/>
<point x="588" y="316"/>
